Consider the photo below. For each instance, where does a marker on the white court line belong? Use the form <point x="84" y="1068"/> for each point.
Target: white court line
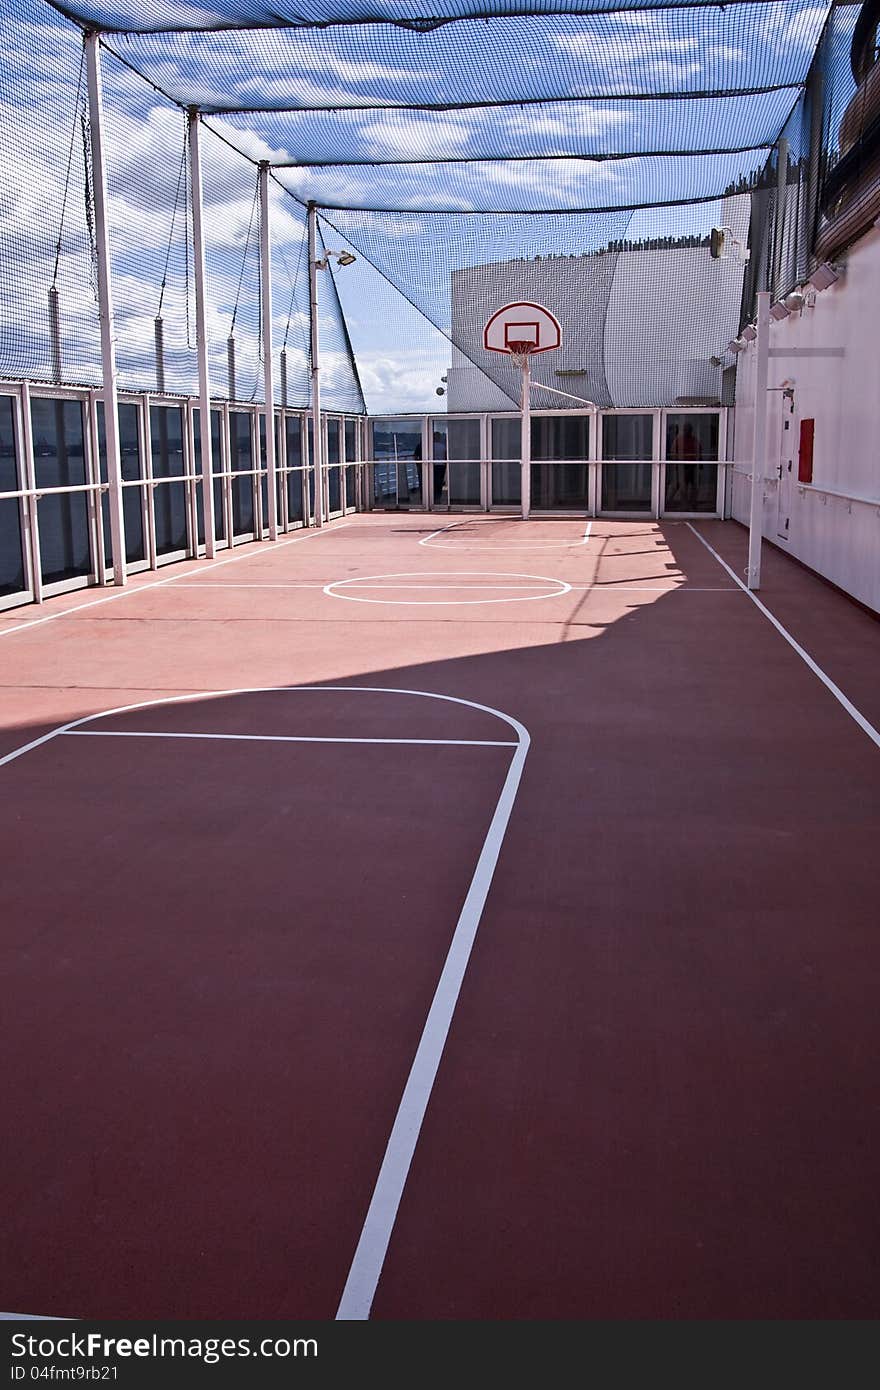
<point x="502" y="545"/>
<point x="838" y="694"/>
<point x="613" y="588"/>
<point x="208" y="584"/>
<point x="172" y="579"/>
<point x="282" y="738"/>
<point x="482" y="587"/>
<point x="369" y="1257"/>
<point x="33" y="1317"/>
<point x="362" y="581"/>
<point x="219" y="584"/>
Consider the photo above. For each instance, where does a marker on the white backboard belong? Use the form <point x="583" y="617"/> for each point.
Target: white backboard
<point x="522" y="323"/>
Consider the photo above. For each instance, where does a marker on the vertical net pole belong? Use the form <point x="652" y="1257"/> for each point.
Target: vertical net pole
<point x="55" y="332"/>
<point x="268" y="385"/>
<point x="759" y="451"/>
<point x="526" y="440"/>
<point x="198" y="224"/>
<point x="159" y="337"/>
<point x="778" y="269"/>
<point x="313" y="339"/>
<point x="105" y="301"/>
<point x="230" y="367"/>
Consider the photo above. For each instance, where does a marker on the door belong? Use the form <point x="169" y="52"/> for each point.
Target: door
<point x="785" y="465"/>
<point x="627" y="470"/>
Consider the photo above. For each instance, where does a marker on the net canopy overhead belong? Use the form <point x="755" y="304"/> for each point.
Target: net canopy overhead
<point x="686" y="101"/>
<point x="421" y="16"/>
<point x="461" y="150"/>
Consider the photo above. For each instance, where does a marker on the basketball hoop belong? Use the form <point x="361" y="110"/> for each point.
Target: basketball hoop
<point x="521" y="330"/>
<point x="521" y="350"/>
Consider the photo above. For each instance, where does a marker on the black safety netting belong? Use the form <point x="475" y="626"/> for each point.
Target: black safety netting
<point x="47" y="245"/>
<point x="419" y="15"/>
<point x="578" y="186"/>
<point x="340" y="384"/>
<point x="642" y="306"/>
<point x="150" y="223"/>
<point x="232" y="270"/>
<point x="623" y="57"/>
<point x="467" y="155"/>
<point x="820" y="187"/>
<point x="554" y="130"/>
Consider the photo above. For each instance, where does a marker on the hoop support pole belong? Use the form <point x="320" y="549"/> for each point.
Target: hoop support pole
<point x="526" y="441"/>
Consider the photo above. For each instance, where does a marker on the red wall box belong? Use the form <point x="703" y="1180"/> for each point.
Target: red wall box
<point x="805" y="451"/>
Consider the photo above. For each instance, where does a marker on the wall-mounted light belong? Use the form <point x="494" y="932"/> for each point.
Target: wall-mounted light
<point x="736" y="345"/>
<point x="722" y="243"/>
<point x="824" y="275"/>
<point x="750" y="333"/>
<point x="795" y="301"/>
<point x="779" y="310"/>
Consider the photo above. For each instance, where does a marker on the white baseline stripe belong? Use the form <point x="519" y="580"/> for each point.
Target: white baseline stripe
<point x="838" y="694"/>
<point x="285" y="738"/>
<point x="502" y="544"/>
<point x="172" y="579"/>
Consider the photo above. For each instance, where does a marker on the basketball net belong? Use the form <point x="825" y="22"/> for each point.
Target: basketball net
<point x="520" y="352"/>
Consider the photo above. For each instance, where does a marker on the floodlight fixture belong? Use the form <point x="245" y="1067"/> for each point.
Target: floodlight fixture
<point x="722" y="244"/>
<point x="750" y="333"/>
<point x="342" y="258"/>
<point x="736" y="344"/>
<point x="795" y="301"/>
<point x="779" y="310"/>
<point x="824" y="275"/>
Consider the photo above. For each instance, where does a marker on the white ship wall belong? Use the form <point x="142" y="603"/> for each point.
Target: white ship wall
<point x="834" y="523"/>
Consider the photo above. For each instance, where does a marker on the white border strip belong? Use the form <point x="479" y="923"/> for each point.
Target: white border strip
<point x="369" y="1257"/>
<point x="838" y="694"/>
<point x="173" y="578"/>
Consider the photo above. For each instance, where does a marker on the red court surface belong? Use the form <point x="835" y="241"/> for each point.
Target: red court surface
<point x="468" y="921"/>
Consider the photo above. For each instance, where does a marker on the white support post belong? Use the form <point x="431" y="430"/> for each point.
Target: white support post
<point x="317" y="453"/>
<point x="759" y="449"/>
<point x="268" y="386"/>
<point x="105" y="309"/>
<point x="526" y="442"/>
<point x="781" y="199"/>
<point x="29" y="481"/>
<point x="205" y="442"/>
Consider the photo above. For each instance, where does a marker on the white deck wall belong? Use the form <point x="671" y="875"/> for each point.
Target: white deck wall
<point x="834" y="524"/>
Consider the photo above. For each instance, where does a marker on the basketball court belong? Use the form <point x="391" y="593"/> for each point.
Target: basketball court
<point x="420" y="924"/>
